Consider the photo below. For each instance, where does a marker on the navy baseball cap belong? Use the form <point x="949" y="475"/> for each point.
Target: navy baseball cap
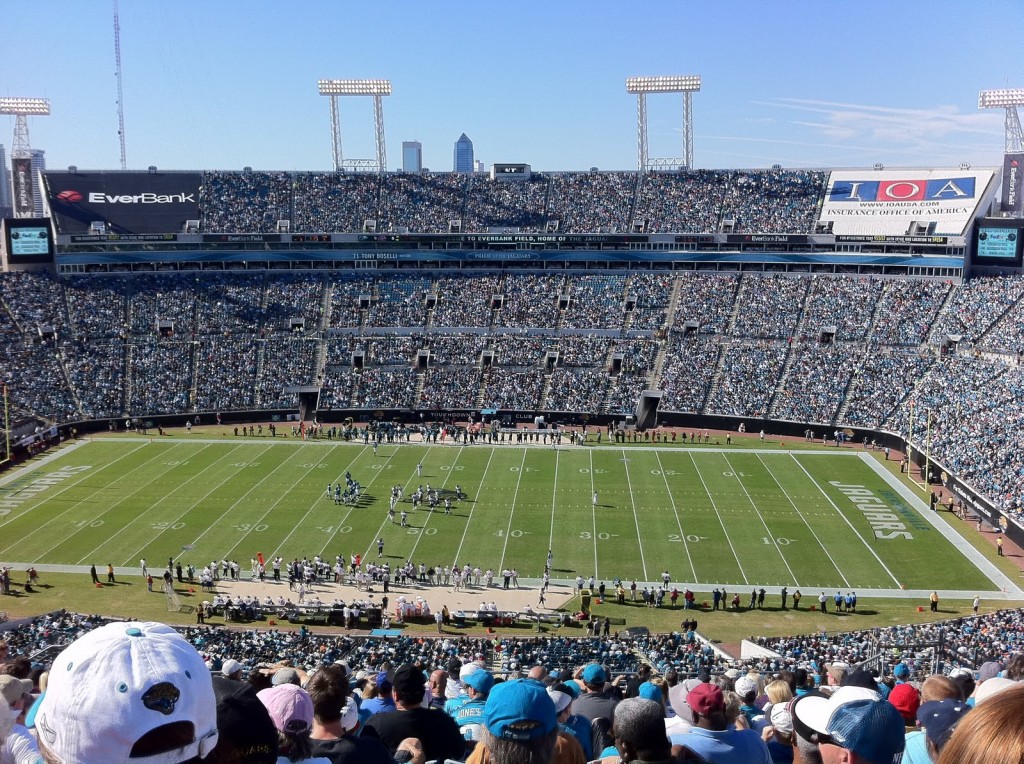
<point x="519" y="709"/>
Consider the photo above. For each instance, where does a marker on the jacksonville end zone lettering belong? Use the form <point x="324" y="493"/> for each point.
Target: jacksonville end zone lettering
<point x="37" y="486"/>
<point x="885" y="524"/>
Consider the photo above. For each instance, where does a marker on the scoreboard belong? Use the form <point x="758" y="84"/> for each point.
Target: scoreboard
<point x="28" y="240"/>
<point x="997" y="242"/>
<point x="507" y="171"/>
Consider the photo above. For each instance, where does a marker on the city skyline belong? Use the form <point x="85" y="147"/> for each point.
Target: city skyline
<point x="532" y="83"/>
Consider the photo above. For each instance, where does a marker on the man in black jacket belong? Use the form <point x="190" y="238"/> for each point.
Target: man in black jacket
<point x="437" y="731"/>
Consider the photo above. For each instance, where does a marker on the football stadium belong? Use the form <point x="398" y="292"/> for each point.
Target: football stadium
<point x="676" y="434"/>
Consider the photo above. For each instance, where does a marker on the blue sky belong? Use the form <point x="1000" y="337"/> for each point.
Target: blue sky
<point x="228" y="83"/>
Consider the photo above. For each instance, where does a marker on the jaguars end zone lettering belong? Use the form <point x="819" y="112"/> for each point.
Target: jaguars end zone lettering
<point x="883" y="521"/>
<point x="17" y="497"/>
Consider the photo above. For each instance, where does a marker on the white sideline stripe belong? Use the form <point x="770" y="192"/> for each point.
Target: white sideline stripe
<point x="965" y="595"/>
<point x="636" y="519"/>
<point x="842" y="515"/>
<point x="512" y="511"/>
<point x="736" y="477"/>
<point x="801" y="514"/>
<point x="993" y="573"/>
<point x="469" y="520"/>
<point x="679" y="523"/>
<point x="554" y="504"/>
<point x="721" y="521"/>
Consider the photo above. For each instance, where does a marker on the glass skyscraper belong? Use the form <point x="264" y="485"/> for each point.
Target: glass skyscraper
<point x="463" y="154"/>
<point x="412" y="156"/>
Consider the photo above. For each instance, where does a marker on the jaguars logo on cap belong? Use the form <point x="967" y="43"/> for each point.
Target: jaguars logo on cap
<point x="161" y="697"/>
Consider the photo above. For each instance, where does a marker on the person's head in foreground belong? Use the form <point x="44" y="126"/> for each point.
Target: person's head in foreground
<point x="639" y="730"/>
<point x="852" y="726"/>
<point x="520" y="723"/>
<point x="291" y="710"/>
<point x="128" y="692"/>
<point x="993" y="733"/>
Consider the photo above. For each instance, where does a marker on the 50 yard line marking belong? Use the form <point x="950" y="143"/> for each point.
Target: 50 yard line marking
<point x="472" y="509"/>
<point x="430" y="514"/>
<point x="593" y="509"/>
<point x="639" y="540"/>
<point x="840" y="513"/>
<point x="679" y="522"/>
<point x="554" y="497"/>
<point x="511" y="514"/>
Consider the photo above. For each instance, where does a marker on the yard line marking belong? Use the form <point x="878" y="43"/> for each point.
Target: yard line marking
<point x="554" y="497"/>
<point x="348" y="512"/>
<point x="785" y="493"/>
<point x="593" y="510"/>
<point x="144" y="511"/>
<point x="511" y="514"/>
<point x="721" y="522"/>
<point x="214" y="524"/>
<point x="430" y="514"/>
<point x="77" y="504"/>
<point x="764" y="522"/>
<point x="840" y="513"/>
<point x="679" y="523"/>
<point x="636" y="519"/>
<point x="341" y="522"/>
<point x="108" y="509"/>
<point x="194" y="504"/>
<point x="458" y="552"/>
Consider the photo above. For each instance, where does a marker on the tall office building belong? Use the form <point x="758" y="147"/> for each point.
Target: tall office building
<point x="463" y="154"/>
<point x="6" y="208"/>
<point x="412" y="156"/>
<point x="38" y="166"/>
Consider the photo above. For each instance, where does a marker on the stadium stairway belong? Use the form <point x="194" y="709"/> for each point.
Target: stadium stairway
<point x="716" y="379"/>
<point x="937" y="326"/>
<point x="845" y="403"/>
<point x="787" y="367"/>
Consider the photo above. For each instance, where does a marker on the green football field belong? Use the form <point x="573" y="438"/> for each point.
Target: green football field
<point x="828" y="519"/>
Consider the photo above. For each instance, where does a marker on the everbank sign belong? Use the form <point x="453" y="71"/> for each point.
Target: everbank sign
<point x="129" y="202"/>
<point x="887" y="202"/>
<point x="147" y="198"/>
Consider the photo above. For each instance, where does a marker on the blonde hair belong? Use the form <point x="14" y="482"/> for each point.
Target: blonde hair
<point x="992" y="733"/>
<point x="779" y="691"/>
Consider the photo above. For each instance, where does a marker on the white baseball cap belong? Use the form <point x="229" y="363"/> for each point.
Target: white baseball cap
<point x="230" y="666"/>
<point x="116" y="688"/>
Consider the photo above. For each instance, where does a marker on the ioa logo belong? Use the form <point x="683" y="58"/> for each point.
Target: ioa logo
<point x="97" y="197"/>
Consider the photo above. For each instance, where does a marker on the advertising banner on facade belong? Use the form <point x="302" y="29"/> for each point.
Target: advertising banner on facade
<point x="903" y="202"/>
<point x="1012" y="200"/>
<point x="22" y="182"/>
<point x="125" y="202"/>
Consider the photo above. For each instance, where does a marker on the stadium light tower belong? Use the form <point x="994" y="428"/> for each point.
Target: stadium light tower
<point x="1009" y="100"/>
<point x="21" y="149"/>
<point x="374" y="88"/>
<point x="642" y="86"/>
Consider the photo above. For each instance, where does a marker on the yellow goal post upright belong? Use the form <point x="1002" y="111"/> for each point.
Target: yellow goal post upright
<point x="7" y="430"/>
<point x="923" y="471"/>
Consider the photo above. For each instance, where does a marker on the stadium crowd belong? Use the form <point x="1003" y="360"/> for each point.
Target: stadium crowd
<point x="255" y="696"/>
<point x="825" y="349"/>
